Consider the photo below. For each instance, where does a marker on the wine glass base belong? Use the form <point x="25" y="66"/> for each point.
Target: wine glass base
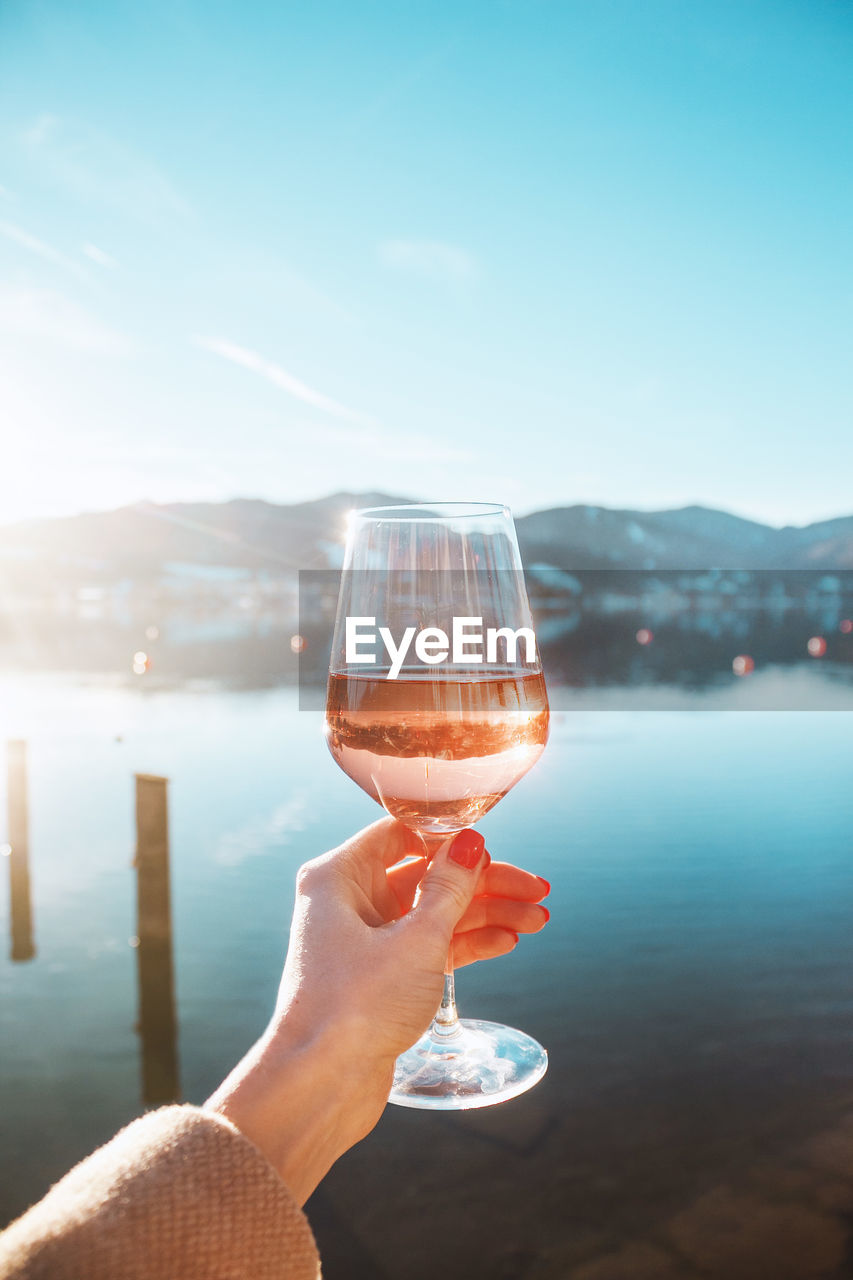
<point x="477" y="1065"/>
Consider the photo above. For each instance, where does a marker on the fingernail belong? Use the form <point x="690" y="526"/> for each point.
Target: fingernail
<point x="542" y="880"/>
<point x="467" y="849"/>
<point x="547" y="913"/>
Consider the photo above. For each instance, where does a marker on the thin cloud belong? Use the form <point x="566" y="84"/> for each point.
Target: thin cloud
<point x="97" y="255"/>
<point x="49" y="315"/>
<point x="431" y="259"/>
<point x="262" y="836"/>
<point x="40" y="129"/>
<point x="40" y="248"/>
<point x="100" y="170"/>
<point x="372" y="436"/>
<point x="281" y="378"/>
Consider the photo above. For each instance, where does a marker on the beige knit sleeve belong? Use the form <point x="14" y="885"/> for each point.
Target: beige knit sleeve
<point x="177" y="1195"/>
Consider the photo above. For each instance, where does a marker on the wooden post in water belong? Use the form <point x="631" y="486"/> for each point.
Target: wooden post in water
<point x="155" y="972"/>
<point x="20" y="904"/>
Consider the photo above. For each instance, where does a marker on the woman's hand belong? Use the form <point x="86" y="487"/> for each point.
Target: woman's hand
<point x="362" y="980"/>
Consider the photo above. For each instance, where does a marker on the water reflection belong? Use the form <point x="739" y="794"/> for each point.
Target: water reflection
<point x="154" y="962"/>
<point x="20" y="901"/>
<point x="157" y="1024"/>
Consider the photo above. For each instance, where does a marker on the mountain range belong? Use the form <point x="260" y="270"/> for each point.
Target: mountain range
<point x="140" y="541"/>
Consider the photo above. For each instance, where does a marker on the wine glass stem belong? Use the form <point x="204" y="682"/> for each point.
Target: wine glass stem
<point x="446" y="1021"/>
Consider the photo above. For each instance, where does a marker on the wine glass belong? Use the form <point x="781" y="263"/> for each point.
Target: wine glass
<point x="436" y="707"/>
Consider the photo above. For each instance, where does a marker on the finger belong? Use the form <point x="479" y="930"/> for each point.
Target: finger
<point x="404" y="879"/>
<point x="503" y="880"/>
<point x="482" y="944"/>
<point x="449" y="884"/>
<point x="519" y="917"/>
<point x="386" y="841"/>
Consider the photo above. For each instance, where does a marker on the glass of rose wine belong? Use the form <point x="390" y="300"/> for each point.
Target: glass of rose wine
<point x="436" y="707"/>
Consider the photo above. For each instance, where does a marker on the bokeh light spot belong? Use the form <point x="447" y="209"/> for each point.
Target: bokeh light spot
<point x="297" y="644"/>
<point x="817" y="646"/>
<point x="644" y="636"/>
<point x="743" y="665"/>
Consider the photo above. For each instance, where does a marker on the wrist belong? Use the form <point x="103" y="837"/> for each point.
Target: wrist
<point x="303" y="1101"/>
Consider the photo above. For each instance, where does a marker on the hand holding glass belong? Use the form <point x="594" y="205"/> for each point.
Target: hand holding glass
<point x="439" y="731"/>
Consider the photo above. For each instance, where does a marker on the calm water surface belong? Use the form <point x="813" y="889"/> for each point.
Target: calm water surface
<point x="694" y="989"/>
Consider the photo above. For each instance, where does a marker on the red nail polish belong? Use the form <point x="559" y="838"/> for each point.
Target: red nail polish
<point x="467" y="849"/>
<point x="547" y="913"/>
<point x="542" y="880"/>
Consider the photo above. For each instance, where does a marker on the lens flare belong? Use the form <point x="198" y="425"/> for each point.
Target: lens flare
<point x="141" y="663"/>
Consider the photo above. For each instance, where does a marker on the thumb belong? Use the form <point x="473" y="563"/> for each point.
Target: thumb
<point x="450" y="880"/>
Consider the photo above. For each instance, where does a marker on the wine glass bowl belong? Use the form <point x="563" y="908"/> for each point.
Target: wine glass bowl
<point x="436" y="707"/>
<point x="437" y="755"/>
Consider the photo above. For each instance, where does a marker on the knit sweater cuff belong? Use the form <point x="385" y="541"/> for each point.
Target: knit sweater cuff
<point x="179" y="1193"/>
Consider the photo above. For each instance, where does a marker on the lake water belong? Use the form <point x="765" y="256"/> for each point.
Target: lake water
<point x="694" y="988"/>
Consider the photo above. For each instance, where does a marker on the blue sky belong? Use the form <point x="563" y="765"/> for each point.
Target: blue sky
<point x="542" y="252"/>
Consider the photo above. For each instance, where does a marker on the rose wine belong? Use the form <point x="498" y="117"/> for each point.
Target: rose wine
<point x="436" y="753"/>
